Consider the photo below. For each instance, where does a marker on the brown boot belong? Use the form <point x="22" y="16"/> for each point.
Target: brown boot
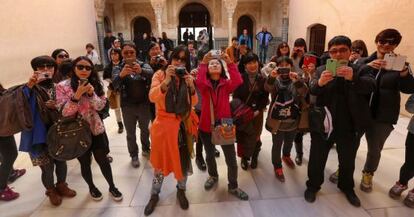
<point x="64" y="191"/>
<point x="54" y="197"/>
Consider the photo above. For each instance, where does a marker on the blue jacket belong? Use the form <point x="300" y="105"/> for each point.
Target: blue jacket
<point x="409" y="106"/>
<point x="33" y="141"/>
<point x="248" y="40"/>
<point x="268" y="38"/>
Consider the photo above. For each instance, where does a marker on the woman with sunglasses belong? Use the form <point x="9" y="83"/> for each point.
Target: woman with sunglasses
<point x="282" y="50"/>
<point x="75" y="96"/>
<point x="170" y="151"/>
<point x="215" y="87"/>
<point x="358" y="51"/>
<point x="384" y="101"/>
<point x="34" y="141"/>
<point x="59" y="55"/>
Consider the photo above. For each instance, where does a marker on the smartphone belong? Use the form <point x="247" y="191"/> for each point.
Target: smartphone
<point x="215" y="53"/>
<point x="283" y="71"/>
<point x="308" y="60"/>
<point x="332" y="65"/>
<point x="84" y="81"/>
<point x="130" y="61"/>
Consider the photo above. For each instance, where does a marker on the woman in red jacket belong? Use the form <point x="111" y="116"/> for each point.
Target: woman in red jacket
<point x="212" y="82"/>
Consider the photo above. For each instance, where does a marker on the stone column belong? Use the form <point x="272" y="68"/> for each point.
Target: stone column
<point x="230" y="6"/>
<point x="285" y="20"/>
<point x="100" y="29"/>
<point x="158" y="5"/>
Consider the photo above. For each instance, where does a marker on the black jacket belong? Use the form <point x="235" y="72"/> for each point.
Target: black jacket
<point x="260" y="97"/>
<point x="386" y="99"/>
<point x="346" y="100"/>
<point x="133" y="91"/>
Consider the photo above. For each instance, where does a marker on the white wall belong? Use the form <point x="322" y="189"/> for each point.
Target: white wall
<point x="37" y="27"/>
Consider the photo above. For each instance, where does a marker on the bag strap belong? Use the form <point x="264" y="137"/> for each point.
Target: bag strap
<point x="211" y="112"/>
<point x="251" y="91"/>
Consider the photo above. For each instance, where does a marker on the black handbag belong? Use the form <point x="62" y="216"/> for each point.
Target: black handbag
<point x="69" y="138"/>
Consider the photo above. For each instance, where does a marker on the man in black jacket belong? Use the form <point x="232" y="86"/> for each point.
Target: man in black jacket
<point x="343" y="96"/>
<point x="385" y="100"/>
<point x="133" y="78"/>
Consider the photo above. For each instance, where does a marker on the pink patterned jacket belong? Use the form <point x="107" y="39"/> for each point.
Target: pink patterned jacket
<point x="87" y="106"/>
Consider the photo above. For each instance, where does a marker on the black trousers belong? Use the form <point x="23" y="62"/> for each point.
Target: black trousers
<point x="299" y="143"/>
<point x="407" y="169"/>
<point x="346" y="145"/>
<point x="8" y="153"/>
<point x="229" y="155"/>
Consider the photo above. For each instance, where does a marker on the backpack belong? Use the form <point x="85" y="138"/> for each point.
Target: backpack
<point x="284" y="107"/>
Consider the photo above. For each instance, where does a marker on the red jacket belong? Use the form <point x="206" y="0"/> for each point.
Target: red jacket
<point x="220" y="96"/>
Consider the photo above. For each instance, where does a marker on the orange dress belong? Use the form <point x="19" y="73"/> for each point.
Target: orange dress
<point x="165" y="154"/>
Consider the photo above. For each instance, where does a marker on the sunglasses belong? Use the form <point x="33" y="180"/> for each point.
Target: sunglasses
<point x="357" y="50"/>
<point x="61" y="56"/>
<point x="129" y="52"/>
<point x="82" y="67"/>
<point x="44" y="67"/>
<point x="387" y="41"/>
<point x="341" y="50"/>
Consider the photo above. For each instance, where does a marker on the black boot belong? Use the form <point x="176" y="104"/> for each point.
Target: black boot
<point x="182" y="199"/>
<point x="201" y="164"/>
<point x="150" y="207"/>
<point x="352" y="198"/>
<point x="244" y="163"/>
<point x="120" y="127"/>
<point x="255" y="155"/>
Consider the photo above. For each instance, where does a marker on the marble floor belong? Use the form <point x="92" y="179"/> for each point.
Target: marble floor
<point x="268" y="197"/>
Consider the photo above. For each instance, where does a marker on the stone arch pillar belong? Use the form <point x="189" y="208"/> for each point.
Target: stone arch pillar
<point x="230" y="6"/>
<point x="158" y="5"/>
<point x="100" y="28"/>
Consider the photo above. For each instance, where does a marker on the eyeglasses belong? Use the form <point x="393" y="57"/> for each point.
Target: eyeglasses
<point x="357" y="50"/>
<point x="82" y="67"/>
<point x="389" y="41"/>
<point x="61" y="56"/>
<point x="340" y="50"/>
<point x="44" y="67"/>
<point x="128" y="52"/>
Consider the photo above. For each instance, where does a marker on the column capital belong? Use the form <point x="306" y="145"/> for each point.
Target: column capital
<point x="157" y="4"/>
<point x="99" y="9"/>
<point x="285" y="8"/>
<point x="230" y="6"/>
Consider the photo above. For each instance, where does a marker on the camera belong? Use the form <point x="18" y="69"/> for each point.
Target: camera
<point x="283" y="71"/>
<point x="158" y="58"/>
<point x="180" y="71"/>
<point x="43" y="75"/>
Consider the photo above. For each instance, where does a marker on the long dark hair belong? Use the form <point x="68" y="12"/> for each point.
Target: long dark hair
<point x="93" y="78"/>
<point x="359" y="44"/>
<point x="249" y="57"/>
<point x="278" y="53"/>
<point x="56" y="52"/>
<point x="176" y="55"/>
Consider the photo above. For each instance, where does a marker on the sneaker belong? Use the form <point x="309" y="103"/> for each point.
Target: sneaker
<point x="396" y="191"/>
<point x="288" y="161"/>
<point x="116" y="194"/>
<point x="182" y="199"/>
<point x="334" y="177"/>
<point x="239" y="193"/>
<point x="201" y="164"/>
<point x="8" y="194"/>
<point x="409" y="200"/>
<point x="120" y="127"/>
<point x="299" y="159"/>
<point x="95" y="194"/>
<point x="217" y="153"/>
<point x="152" y="203"/>
<point x="279" y="174"/>
<point x="366" y="182"/>
<point x="110" y="159"/>
<point x="210" y="182"/>
<point x="244" y="163"/>
<point x="54" y="197"/>
<point x="64" y="191"/>
<point x="15" y="174"/>
<point x="146" y="153"/>
<point x="135" y="162"/>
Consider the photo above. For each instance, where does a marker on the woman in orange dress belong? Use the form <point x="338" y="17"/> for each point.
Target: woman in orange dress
<point x="170" y="152"/>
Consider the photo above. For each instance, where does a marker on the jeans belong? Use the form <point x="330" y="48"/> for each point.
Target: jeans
<point x="132" y="114"/>
<point x="8" y="153"/>
<point x="230" y="156"/>
<point x="279" y="139"/>
<point x="263" y="53"/>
